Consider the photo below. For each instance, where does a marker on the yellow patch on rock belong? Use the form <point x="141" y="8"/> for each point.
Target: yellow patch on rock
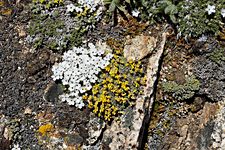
<point x="44" y="129"/>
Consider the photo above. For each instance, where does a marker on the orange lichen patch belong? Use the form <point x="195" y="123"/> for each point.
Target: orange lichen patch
<point x="6" y="11"/>
<point x="44" y="129"/>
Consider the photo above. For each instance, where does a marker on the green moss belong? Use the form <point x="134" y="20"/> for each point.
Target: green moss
<point x="184" y="91"/>
<point x="45" y="30"/>
<point x="57" y="29"/>
<point x="190" y="17"/>
<point x="49" y="30"/>
<point x="217" y="56"/>
<point x="194" y="20"/>
<point x="47" y="27"/>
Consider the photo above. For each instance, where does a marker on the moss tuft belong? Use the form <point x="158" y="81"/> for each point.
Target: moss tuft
<point x="184" y="91"/>
<point x="217" y="56"/>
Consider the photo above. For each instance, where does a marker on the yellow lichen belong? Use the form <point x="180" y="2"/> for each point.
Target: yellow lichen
<point x="49" y="3"/>
<point x="44" y="129"/>
<point x="83" y="13"/>
<point x="119" y="85"/>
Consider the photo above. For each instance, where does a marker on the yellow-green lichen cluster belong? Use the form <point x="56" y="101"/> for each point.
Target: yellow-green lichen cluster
<point x="49" y="3"/>
<point x="119" y="85"/>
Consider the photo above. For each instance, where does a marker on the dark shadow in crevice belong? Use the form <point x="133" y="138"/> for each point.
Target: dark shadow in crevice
<point x="143" y="136"/>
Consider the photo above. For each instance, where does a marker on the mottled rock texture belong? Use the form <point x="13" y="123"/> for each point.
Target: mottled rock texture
<point x="192" y="131"/>
<point x="209" y="69"/>
<point x="138" y="47"/>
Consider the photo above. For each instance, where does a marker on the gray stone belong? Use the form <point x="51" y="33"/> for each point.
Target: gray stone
<point x="211" y="76"/>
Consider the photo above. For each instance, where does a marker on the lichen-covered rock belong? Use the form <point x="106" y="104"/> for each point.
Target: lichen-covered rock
<point x="209" y="69"/>
<point x="139" y="47"/>
<point x="95" y="129"/>
<point x="123" y="137"/>
<point x="190" y="132"/>
<point x="202" y="130"/>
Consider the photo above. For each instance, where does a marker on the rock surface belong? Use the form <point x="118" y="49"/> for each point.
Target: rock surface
<point x="211" y="72"/>
<point x="138" y="47"/>
<point x="131" y="138"/>
<point x="29" y="98"/>
<point x="218" y="134"/>
<point x="196" y="123"/>
<point x="192" y="131"/>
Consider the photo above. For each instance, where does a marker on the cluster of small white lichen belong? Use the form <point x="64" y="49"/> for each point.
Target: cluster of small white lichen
<point x="79" y="70"/>
<point x="93" y="6"/>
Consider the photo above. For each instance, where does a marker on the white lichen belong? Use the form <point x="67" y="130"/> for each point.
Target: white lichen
<point x="79" y="70"/>
<point x="16" y="147"/>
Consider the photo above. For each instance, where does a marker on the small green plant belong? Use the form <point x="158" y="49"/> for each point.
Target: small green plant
<point x="191" y="18"/>
<point x="169" y="9"/>
<point x="115" y="5"/>
<point x="158" y="10"/>
<point x="217" y="56"/>
<point x="163" y="7"/>
<point x="199" y="17"/>
<point x="121" y="6"/>
<point x="184" y="91"/>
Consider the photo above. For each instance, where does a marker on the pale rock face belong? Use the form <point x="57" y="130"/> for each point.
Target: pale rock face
<point x="139" y="47"/>
<point x="217" y="136"/>
<point x="95" y="129"/>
